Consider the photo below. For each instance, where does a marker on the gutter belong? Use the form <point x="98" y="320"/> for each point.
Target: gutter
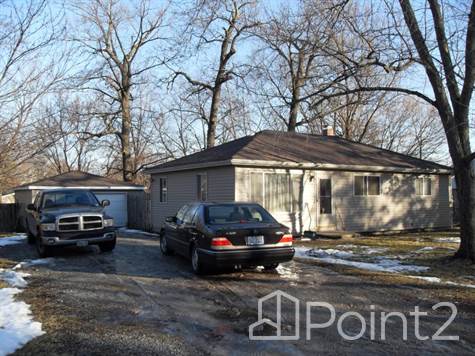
<point x="296" y="165"/>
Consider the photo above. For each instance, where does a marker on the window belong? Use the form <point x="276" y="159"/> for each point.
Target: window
<point x="277" y="192"/>
<point x="423" y="186"/>
<point x="257" y="185"/>
<point x="202" y="186"/>
<point x="236" y="213"/>
<point x="181" y="214"/>
<point x="325" y="196"/>
<point x="163" y="190"/>
<point x="189" y="214"/>
<point x="297" y="192"/>
<point x="367" y="185"/>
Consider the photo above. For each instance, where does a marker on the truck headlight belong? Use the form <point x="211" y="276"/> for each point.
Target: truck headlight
<point x="108" y="222"/>
<point x="48" y="227"/>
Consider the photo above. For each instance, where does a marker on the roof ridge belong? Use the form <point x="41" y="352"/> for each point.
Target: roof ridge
<point x="384" y="149"/>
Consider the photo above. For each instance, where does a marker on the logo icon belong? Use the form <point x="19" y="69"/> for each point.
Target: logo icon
<point x="280" y="297"/>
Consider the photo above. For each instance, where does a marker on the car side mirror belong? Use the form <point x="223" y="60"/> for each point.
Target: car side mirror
<point x="31" y="207"/>
<point x="105" y="203"/>
<point x="171" y="219"/>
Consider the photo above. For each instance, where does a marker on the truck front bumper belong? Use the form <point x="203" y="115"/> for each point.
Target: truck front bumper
<point x="56" y="241"/>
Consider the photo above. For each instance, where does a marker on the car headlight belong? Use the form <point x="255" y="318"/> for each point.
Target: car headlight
<point x="48" y="227"/>
<point x="108" y="222"/>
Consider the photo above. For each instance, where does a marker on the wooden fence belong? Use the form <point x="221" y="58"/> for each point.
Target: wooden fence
<point x="9" y="217"/>
<point x="139" y="211"/>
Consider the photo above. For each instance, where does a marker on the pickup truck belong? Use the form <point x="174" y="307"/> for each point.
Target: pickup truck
<point x="69" y="217"/>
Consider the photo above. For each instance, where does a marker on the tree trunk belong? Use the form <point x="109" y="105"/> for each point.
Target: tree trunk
<point x="213" y="116"/>
<point x="127" y="173"/>
<point x="465" y="181"/>
<point x="293" y="115"/>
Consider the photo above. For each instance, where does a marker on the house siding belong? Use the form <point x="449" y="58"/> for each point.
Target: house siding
<point x="396" y="208"/>
<point x="182" y="189"/>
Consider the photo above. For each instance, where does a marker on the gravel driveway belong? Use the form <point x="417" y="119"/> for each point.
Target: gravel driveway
<point x="136" y="301"/>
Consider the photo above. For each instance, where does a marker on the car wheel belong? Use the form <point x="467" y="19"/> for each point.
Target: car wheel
<point x="271" y="267"/>
<point x="43" y="251"/>
<point x="196" y="263"/>
<point x="107" y="246"/>
<point x="164" y="245"/>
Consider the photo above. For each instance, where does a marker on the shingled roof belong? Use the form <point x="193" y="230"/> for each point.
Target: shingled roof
<point x="79" y="179"/>
<point x="298" y="148"/>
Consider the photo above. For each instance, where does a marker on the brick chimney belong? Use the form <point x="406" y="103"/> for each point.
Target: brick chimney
<point x="328" y="131"/>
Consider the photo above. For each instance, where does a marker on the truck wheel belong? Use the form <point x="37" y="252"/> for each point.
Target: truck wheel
<point x="30" y="236"/>
<point x="43" y="251"/>
<point x="107" y="246"/>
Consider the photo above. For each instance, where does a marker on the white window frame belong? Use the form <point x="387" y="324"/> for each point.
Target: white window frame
<point x="264" y="173"/>
<point x="320" y="197"/>
<point x="367" y="183"/>
<point x="199" y="196"/>
<point x="423" y="186"/>
<point x="160" y="190"/>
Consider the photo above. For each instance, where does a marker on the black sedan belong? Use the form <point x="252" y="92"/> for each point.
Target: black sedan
<point x="226" y="235"/>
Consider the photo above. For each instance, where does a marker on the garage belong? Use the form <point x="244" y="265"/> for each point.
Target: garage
<point x="105" y="188"/>
<point x="118" y="207"/>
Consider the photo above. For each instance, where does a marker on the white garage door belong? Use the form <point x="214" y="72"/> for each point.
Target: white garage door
<point x="118" y="207"/>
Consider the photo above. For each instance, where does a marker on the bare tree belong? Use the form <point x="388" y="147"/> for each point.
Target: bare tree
<point x="440" y="40"/>
<point x="28" y="30"/>
<point x="120" y="38"/>
<point x="220" y="22"/>
<point x="292" y="60"/>
<point x="66" y="119"/>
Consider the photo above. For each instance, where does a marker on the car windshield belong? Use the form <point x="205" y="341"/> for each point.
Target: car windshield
<point x="236" y="213"/>
<point x="69" y="198"/>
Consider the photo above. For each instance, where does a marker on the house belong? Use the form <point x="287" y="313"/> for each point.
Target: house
<point x="309" y="182"/>
<point x="104" y="188"/>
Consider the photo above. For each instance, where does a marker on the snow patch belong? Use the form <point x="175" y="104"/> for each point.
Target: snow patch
<point x="324" y="253"/>
<point x="37" y="262"/>
<point x="12" y="240"/>
<point x="366" y="249"/>
<point x="286" y="272"/>
<point x="14" y="279"/>
<point x="137" y="232"/>
<point x="447" y="239"/>
<point x="425" y="249"/>
<point x="17" y="326"/>
<point x="439" y="281"/>
<point x="382" y="264"/>
<point x="16" y="322"/>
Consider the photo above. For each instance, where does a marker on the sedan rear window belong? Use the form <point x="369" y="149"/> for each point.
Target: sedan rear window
<point x="239" y="213"/>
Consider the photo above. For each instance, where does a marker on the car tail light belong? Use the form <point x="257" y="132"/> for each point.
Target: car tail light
<point x="220" y="242"/>
<point x="286" y="239"/>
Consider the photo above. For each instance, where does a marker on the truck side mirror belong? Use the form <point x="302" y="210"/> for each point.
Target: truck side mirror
<point x="171" y="219"/>
<point x="105" y="203"/>
<point x="31" y="207"/>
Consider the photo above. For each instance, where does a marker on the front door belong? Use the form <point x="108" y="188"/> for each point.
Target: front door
<point x="325" y="208"/>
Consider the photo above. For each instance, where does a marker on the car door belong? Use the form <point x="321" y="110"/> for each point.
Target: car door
<point x="172" y="228"/>
<point x="187" y="230"/>
<point x="32" y="217"/>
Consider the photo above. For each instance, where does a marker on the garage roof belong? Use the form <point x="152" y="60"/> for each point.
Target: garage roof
<point x="290" y="149"/>
<point x="80" y="180"/>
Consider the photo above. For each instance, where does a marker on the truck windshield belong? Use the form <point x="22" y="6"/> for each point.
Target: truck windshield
<point x="236" y="214"/>
<point x="69" y="198"/>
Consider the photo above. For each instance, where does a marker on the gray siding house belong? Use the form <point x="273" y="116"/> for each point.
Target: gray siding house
<point x="309" y="182"/>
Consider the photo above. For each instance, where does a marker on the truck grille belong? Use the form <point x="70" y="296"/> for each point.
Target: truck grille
<point x="80" y="223"/>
